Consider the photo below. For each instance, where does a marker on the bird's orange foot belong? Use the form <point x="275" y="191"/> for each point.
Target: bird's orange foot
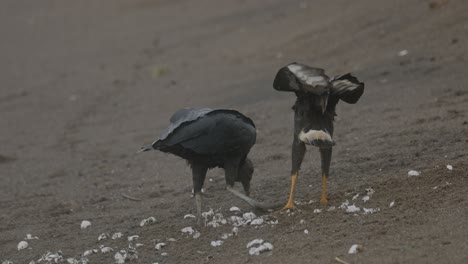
<point x="324" y="201"/>
<point x="288" y="206"/>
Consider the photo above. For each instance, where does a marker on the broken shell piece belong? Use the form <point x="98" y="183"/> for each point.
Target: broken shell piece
<point x="117" y="235"/>
<point x="235" y="231"/>
<point x="355" y="197"/>
<point x="147" y="221"/>
<point x="413" y="173"/>
<point x="370" y="210"/>
<point x="120" y="257"/>
<point x="306" y="231"/>
<point x="331" y="208"/>
<point x="105" y="250"/>
<point x="209" y="213"/>
<point x="249" y="216"/>
<point x="449" y="167"/>
<point x="103" y="236"/>
<point x="137" y="245"/>
<point x="23" y="245"/>
<point x="216" y="243"/>
<point x="365" y="198"/>
<point x="262" y="248"/>
<point x="302" y="221"/>
<point x="352" y="209"/>
<point x="189" y="216"/>
<point x="257" y="221"/>
<point x="85" y="224"/>
<point x="225" y="236"/>
<point x="164" y="254"/>
<point x="131" y="238"/>
<point x="89" y="252"/>
<point x="255" y="242"/>
<point x="370" y="191"/>
<point x="234" y="209"/>
<point x="159" y="246"/>
<point x="317" y="211"/>
<point x="196" y="235"/>
<point x="29" y="237"/>
<point x="391" y="204"/>
<point x="355" y="249"/>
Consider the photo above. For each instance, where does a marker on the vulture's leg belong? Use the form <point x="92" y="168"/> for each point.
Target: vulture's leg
<point x="298" y="151"/>
<point x="325" y="156"/>
<point x="198" y="176"/>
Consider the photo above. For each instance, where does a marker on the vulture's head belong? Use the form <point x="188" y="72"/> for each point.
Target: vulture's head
<point x="244" y="175"/>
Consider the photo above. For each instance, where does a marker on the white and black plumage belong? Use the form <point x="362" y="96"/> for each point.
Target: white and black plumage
<point x="209" y="138"/>
<point x="314" y="112"/>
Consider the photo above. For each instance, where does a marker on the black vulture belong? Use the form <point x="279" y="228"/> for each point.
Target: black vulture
<point x="314" y="112"/>
<point x="209" y="138"/>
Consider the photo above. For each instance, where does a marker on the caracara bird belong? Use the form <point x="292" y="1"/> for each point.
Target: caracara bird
<point x="314" y="112"/>
<point x="209" y="138"/>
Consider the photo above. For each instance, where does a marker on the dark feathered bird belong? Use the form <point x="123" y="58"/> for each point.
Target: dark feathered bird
<point x="314" y="112"/>
<point x="209" y="138"/>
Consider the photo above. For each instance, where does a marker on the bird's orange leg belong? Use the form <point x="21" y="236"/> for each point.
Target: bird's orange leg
<point x="324" y="199"/>
<point x="290" y="203"/>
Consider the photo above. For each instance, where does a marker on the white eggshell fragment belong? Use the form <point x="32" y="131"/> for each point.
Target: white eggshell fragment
<point x="85" y="224"/>
<point x="355" y="249"/>
<point x="159" y="246"/>
<point x="117" y="235"/>
<point x="23" y="245"/>
<point x="449" y="167"/>
<point x="413" y="173"/>
<point x="254" y="242"/>
<point x="216" y="243"/>
<point x="147" y="221"/>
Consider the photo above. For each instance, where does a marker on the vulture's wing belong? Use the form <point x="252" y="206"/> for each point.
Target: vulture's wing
<point x="184" y="115"/>
<point x="297" y="77"/>
<point x="347" y="87"/>
<point x="221" y="131"/>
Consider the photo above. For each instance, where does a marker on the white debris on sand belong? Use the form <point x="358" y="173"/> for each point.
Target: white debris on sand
<point x="352" y="209"/>
<point x="316" y="211"/>
<point x="365" y="198"/>
<point x="103" y="236"/>
<point x="159" y="246"/>
<point x="449" y="167"/>
<point x="260" y="249"/>
<point x="257" y="221"/>
<point x="120" y="257"/>
<point x="85" y="224"/>
<point x="137" y="245"/>
<point x="30" y="237"/>
<point x="89" y="252"/>
<point x="302" y="221"/>
<point x="306" y="231"/>
<point x="235" y="231"/>
<point x="331" y="208"/>
<point x="132" y="238"/>
<point x="189" y="216"/>
<point x="344" y="205"/>
<point x="370" y="210"/>
<point x="216" y="243"/>
<point x="164" y="254"/>
<point x="52" y="257"/>
<point x="413" y="173"/>
<point x="105" y="250"/>
<point x="249" y="216"/>
<point x="225" y="236"/>
<point x="148" y="221"/>
<point x="355" y="197"/>
<point x="355" y="249"/>
<point x="234" y="209"/>
<point x="403" y="53"/>
<point x="206" y="214"/>
<point x="217" y="220"/>
<point x="255" y="242"/>
<point x="117" y="235"/>
<point x="189" y="230"/>
<point x="23" y="245"/>
<point x="391" y="204"/>
<point x="370" y="191"/>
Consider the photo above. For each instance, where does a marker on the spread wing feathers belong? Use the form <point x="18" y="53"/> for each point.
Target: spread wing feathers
<point x="347" y="87"/>
<point x="297" y="77"/>
<point x="217" y="132"/>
